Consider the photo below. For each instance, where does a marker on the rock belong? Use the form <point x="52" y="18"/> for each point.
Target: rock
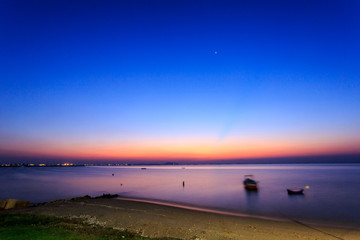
<point x="55" y="201"/>
<point x="2" y="203"/>
<point x="14" y="203"/>
<point x="80" y="198"/>
<point x="108" y="196"/>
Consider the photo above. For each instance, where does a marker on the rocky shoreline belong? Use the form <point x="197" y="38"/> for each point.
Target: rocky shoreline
<point x="6" y="204"/>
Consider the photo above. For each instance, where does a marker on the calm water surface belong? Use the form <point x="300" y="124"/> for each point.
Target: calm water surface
<point x="333" y="197"/>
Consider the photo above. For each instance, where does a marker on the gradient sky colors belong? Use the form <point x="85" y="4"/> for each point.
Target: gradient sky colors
<point x="179" y="79"/>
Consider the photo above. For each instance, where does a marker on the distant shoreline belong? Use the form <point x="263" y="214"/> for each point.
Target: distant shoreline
<point x="9" y="165"/>
<point x="304" y="159"/>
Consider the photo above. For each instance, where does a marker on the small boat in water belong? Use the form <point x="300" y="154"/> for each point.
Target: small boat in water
<point x="297" y="191"/>
<point x="250" y="183"/>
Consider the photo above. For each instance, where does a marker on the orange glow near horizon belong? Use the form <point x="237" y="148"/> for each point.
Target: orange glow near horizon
<point x="151" y="84"/>
<point x="197" y="150"/>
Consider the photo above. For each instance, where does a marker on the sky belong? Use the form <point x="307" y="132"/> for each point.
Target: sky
<point x="195" y="80"/>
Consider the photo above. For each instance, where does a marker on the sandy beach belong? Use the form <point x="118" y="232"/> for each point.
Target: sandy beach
<point x="155" y="220"/>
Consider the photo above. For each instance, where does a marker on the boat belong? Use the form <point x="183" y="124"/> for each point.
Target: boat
<point x="250" y="183"/>
<point x="295" y="191"/>
<point x="143" y="168"/>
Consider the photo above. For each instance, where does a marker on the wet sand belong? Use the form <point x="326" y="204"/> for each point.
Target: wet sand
<point x="155" y="220"/>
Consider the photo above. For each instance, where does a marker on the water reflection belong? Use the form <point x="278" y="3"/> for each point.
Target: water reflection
<point x="252" y="197"/>
<point x="211" y="187"/>
<point x="295" y="197"/>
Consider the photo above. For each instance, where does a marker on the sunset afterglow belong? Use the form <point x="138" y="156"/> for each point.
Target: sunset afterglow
<point x="183" y="80"/>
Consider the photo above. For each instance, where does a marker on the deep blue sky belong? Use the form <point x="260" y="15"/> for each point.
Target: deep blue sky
<point x="155" y="76"/>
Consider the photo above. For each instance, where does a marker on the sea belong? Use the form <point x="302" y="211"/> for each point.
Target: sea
<point x="333" y="196"/>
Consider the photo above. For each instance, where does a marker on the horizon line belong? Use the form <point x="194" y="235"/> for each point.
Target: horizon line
<point x="341" y="157"/>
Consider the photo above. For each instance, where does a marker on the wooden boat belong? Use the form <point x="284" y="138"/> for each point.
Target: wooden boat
<point x="295" y="191"/>
<point x="250" y="183"/>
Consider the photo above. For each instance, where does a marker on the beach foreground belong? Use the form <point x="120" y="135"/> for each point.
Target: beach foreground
<point x="154" y="220"/>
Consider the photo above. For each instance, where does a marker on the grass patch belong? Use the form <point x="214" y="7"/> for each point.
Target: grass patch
<point x="31" y="226"/>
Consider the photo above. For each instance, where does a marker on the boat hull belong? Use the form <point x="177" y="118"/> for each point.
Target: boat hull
<point x="295" y="191"/>
<point x="250" y="184"/>
<point x="251" y="187"/>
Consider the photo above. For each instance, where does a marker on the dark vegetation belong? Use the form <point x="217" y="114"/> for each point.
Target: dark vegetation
<point x="30" y="226"/>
